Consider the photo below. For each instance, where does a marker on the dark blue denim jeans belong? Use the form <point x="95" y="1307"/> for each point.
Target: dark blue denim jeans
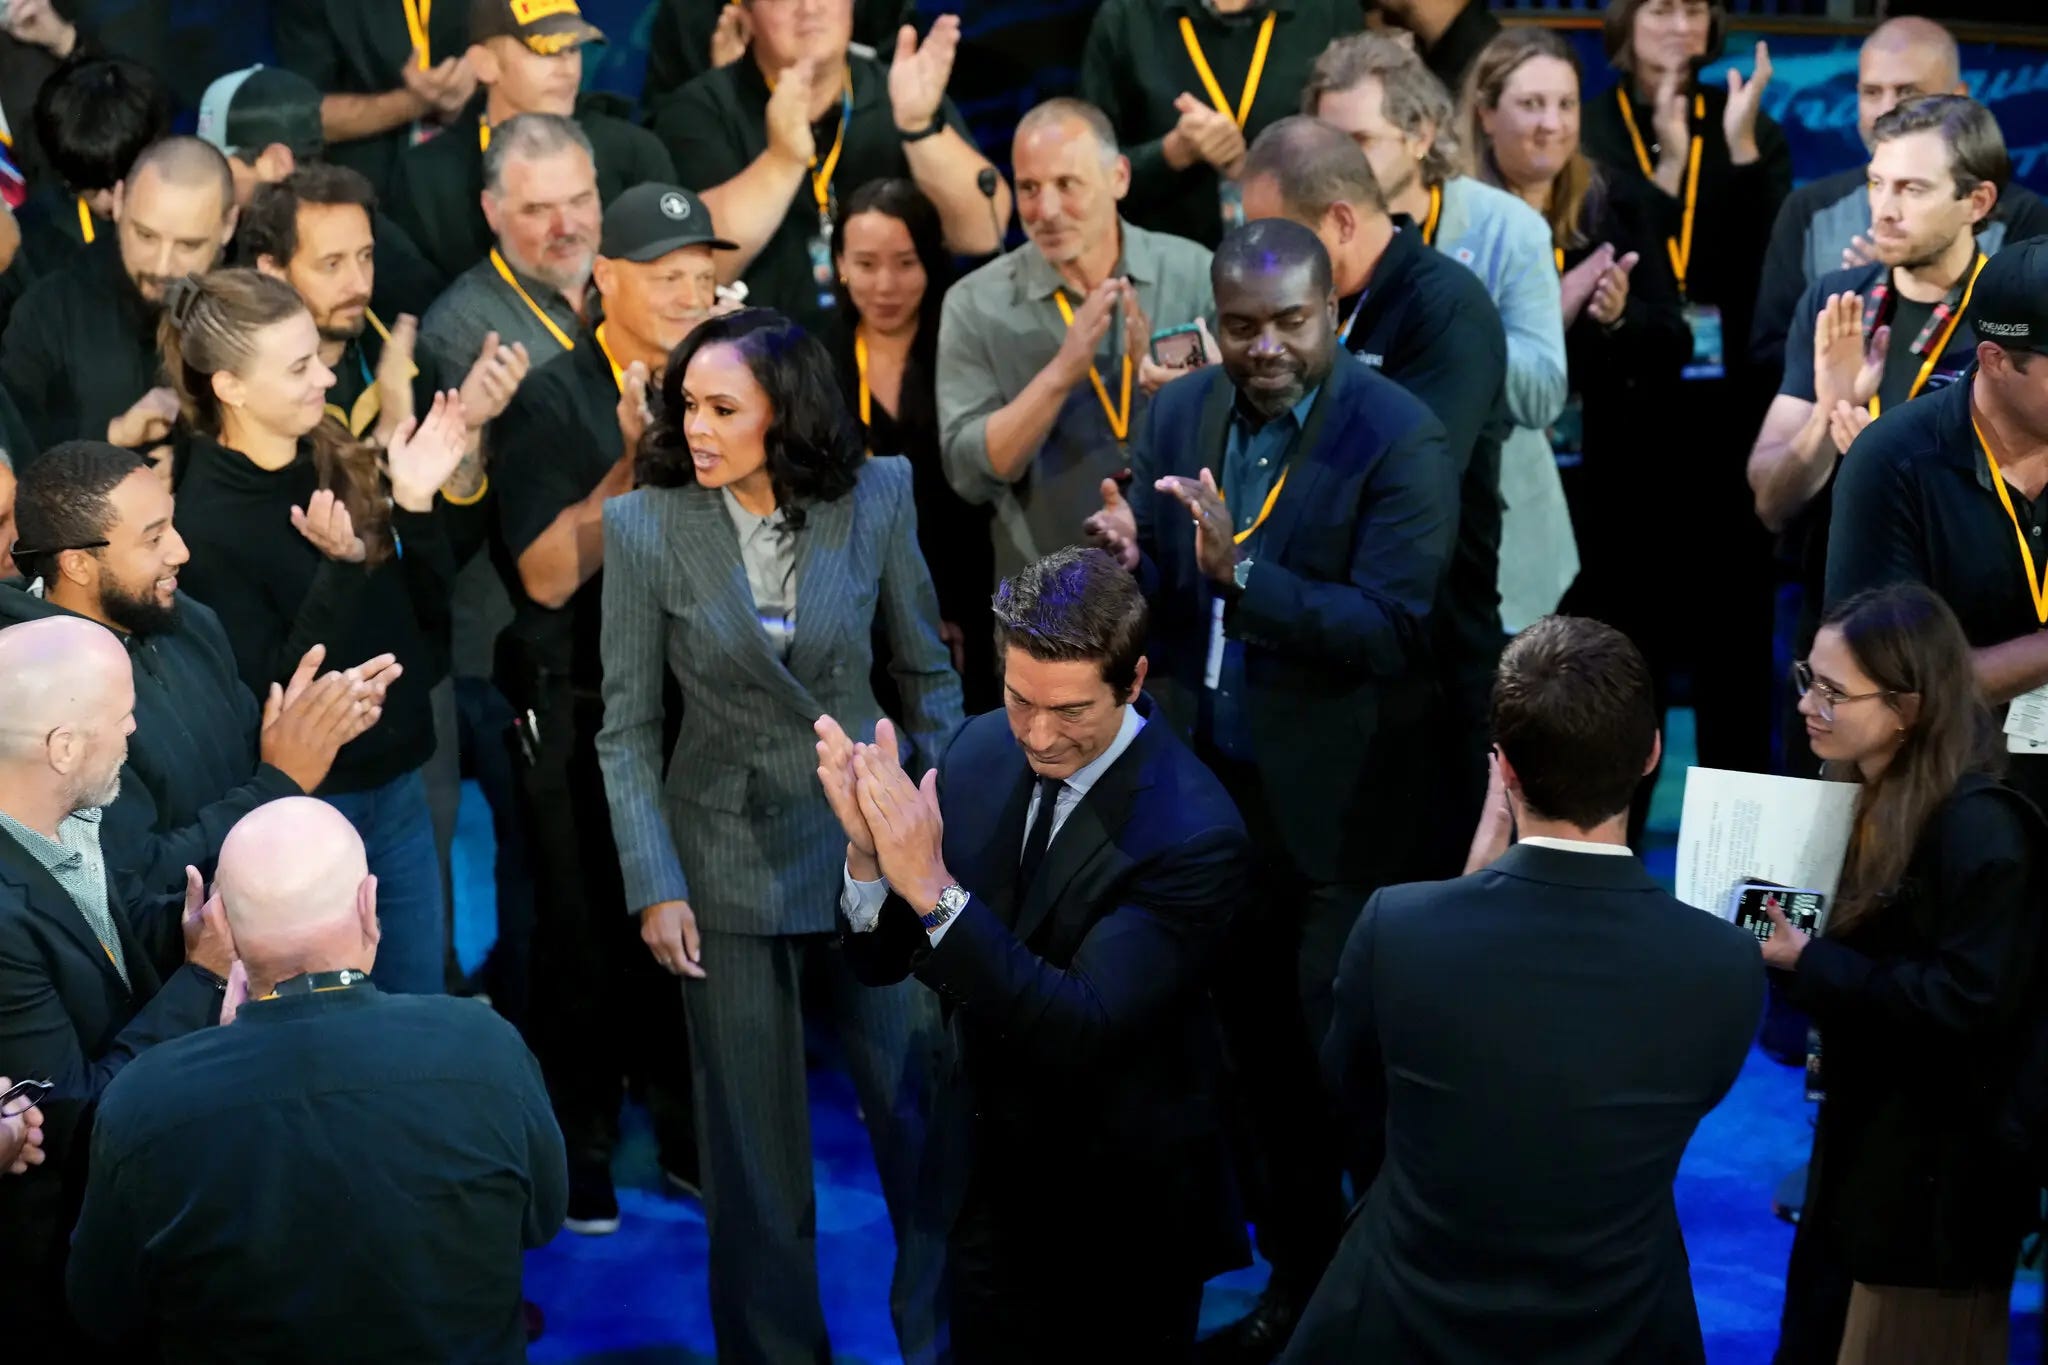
<point x="398" y="835"/>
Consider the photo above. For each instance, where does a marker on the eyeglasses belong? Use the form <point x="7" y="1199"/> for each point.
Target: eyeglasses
<point x="22" y="551"/>
<point x="1830" y="696"/>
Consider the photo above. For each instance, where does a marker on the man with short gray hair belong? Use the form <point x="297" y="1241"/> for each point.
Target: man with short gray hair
<point x="541" y="201"/>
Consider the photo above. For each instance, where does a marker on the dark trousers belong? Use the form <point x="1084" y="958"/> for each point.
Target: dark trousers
<point x="603" y="1009"/>
<point x="1275" y="1000"/>
<point x="1816" y="1297"/>
<point x="484" y="724"/>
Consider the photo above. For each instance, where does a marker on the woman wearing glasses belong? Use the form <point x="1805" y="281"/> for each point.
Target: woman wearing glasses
<point x="1919" y="987"/>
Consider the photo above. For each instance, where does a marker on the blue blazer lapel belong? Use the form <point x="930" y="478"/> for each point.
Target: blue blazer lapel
<point x="707" y="550"/>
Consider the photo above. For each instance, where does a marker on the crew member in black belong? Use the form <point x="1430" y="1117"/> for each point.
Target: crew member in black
<point x="1951" y="490"/>
<point x="391" y="72"/>
<point x="565" y="446"/>
<point x="689" y="38"/>
<point x="531" y="67"/>
<point x="775" y="166"/>
<point x="80" y="354"/>
<point x="299" y="535"/>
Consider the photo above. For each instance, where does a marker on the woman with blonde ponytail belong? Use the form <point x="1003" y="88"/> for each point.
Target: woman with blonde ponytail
<point x="301" y="535"/>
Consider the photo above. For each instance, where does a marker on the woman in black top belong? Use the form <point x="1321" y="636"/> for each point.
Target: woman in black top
<point x="1715" y="169"/>
<point x="297" y="538"/>
<point x="1920" y="987"/>
<point x="1625" y="331"/>
<point x="894" y="270"/>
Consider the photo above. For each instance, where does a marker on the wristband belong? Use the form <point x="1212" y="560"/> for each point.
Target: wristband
<point x="932" y="129"/>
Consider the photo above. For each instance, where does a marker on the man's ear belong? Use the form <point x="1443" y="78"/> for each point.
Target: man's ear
<point x="1138" y="679"/>
<point x="267" y="264"/>
<point x="1656" y="754"/>
<point x="274" y="163"/>
<point x="1120" y="178"/>
<point x="484" y="62"/>
<point x="228" y="224"/>
<point x="366" y="912"/>
<point x="78" y="566"/>
<point x="120" y="199"/>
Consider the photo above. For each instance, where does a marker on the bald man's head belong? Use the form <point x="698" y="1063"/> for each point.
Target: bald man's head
<point x="176" y="212"/>
<point x="295" y="883"/>
<point x="1904" y="59"/>
<point x="70" y="709"/>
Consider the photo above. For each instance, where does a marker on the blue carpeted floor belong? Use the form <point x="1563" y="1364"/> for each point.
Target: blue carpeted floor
<point x="638" y="1297"/>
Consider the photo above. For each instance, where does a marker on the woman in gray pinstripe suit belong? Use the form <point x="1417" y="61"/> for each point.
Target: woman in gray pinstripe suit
<point x="753" y="562"/>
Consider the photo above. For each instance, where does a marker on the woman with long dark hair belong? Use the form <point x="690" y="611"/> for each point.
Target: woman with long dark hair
<point x="751" y="564"/>
<point x="894" y="270"/>
<point x="301" y="535"/>
<point x="1920" y="987"/>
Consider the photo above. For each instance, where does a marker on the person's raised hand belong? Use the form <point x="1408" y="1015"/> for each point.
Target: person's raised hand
<point x="1671" y="121"/>
<point x="1201" y="133"/>
<point x="1610" y="294"/>
<point x="1786" y="943"/>
<point x="1115" y="528"/>
<point x="835" y="775"/>
<point x="1215" y="545"/>
<point x="634" y="414"/>
<point x="395" y="371"/>
<point x="208" y="944"/>
<point x="1846" y="367"/>
<point x="729" y="39"/>
<point x="669" y="929"/>
<point x="1496" y="829"/>
<point x="21" y="1134"/>
<point x="36" y="23"/>
<point x="789" y="113"/>
<point x="1846" y="422"/>
<point x="147" y="421"/>
<point x="497" y="374"/>
<point x="423" y="454"/>
<point x="1745" y="103"/>
<point x="325" y="521"/>
<point x="1076" y="355"/>
<point x="1578" y="283"/>
<point x="302" y="676"/>
<point x="301" y="740"/>
<point x="1860" y="252"/>
<point x="919" y="72"/>
<point x="904" y="817"/>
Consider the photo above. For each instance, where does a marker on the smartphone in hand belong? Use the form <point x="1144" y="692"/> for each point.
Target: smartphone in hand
<point x="1179" y="348"/>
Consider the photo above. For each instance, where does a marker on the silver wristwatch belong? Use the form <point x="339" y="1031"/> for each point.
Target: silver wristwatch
<point x="1240" y="572"/>
<point x="951" y="902"/>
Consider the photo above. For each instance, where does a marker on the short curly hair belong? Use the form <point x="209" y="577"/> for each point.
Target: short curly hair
<point x="1411" y="96"/>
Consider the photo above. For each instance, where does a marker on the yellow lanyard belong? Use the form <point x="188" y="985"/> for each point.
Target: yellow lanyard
<point x="568" y="343"/>
<point x="2037" y="585"/>
<point x="1680" y="247"/>
<point x="821" y="175"/>
<point x="483" y="135"/>
<point x="369" y="404"/>
<point x="1934" y="352"/>
<point x="860" y="362"/>
<point x="618" y="371"/>
<point x="1559" y="253"/>
<point x="85" y="227"/>
<point x="1436" y="211"/>
<point x="1119" y="421"/>
<point x="418" y="13"/>
<point x="1265" y="511"/>
<point x="1251" y="79"/>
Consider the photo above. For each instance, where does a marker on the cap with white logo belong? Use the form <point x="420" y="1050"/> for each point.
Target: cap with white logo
<point x="649" y="221"/>
<point x="2009" y="302"/>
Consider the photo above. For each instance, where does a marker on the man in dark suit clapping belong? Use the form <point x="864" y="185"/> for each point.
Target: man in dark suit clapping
<point x="1525" y="1053"/>
<point x="1062" y="880"/>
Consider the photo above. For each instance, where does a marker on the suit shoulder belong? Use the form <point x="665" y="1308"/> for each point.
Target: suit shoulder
<point x="885" y="477"/>
<point x="1196" y="798"/>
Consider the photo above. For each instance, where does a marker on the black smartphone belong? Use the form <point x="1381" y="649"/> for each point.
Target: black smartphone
<point x="1179" y="348"/>
<point x="32" y="1091"/>
<point x="1805" y="910"/>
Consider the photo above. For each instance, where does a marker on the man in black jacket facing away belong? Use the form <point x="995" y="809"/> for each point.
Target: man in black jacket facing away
<point x="1526" y="1052"/>
<point x="1062" y="880"/>
<point x="97" y="542"/>
<point x="91" y="974"/>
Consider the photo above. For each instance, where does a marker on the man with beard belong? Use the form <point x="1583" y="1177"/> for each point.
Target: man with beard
<point x="533" y="289"/>
<point x="1868" y="339"/>
<point x="91" y="972"/>
<point x="80" y="353"/>
<point x="1291" y="640"/>
<point x="97" y="543"/>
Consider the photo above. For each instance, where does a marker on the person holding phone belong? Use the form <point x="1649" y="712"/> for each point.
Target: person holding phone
<point x="1921" y="987"/>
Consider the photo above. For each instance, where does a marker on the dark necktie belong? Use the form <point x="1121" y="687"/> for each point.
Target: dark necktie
<point x="1035" y="842"/>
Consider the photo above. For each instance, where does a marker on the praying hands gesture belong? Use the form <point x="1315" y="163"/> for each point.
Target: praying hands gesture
<point x="1215" y="545"/>
<point x="903" y="819"/>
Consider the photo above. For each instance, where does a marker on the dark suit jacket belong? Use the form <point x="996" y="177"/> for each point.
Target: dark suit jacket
<point x="1083" y="1020"/>
<point x="1335" y="617"/>
<point x="1535" y="1044"/>
<point x="66" y="1018"/>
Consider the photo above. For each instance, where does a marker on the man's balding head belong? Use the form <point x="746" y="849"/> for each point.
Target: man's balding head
<point x="1903" y="59"/>
<point x="70" y="709"/>
<point x="295" y="883"/>
<point x="176" y="211"/>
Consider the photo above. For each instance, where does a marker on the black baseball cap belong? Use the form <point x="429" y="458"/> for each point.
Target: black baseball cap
<point x="545" y="26"/>
<point x="246" y="111"/>
<point x="2009" y="304"/>
<point x="649" y="221"/>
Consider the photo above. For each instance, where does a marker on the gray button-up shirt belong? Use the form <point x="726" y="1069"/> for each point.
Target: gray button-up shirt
<point x="769" y="552"/>
<point x="479" y="302"/>
<point x="74" y="861"/>
<point x="999" y="328"/>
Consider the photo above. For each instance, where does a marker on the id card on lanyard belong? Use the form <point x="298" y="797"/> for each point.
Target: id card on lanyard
<point x="1229" y="194"/>
<point x="1709" y="345"/>
<point x="1212" y="667"/>
<point x="820" y="246"/>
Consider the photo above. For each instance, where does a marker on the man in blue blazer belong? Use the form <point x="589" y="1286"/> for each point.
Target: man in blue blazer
<point x="1062" y="880"/>
<point x="1524" y="1053"/>
<point x="1290" y="634"/>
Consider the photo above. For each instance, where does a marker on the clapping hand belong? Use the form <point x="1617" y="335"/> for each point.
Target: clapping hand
<point x="634" y="413"/>
<point x="789" y="113"/>
<point x="1846" y="423"/>
<point x="1215" y="545"/>
<point x="1576" y="288"/>
<point x="1860" y="252"/>
<point x="21" y="1133"/>
<point x="836" y="776"/>
<point x="1115" y="527"/>
<point x="1745" y="102"/>
<point x="1845" y="368"/>
<point x="325" y="521"/>
<point x="1076" y="355"/>
<point x="904" y="818"/>
<point x="1672" y="123"/>
<point x="445" y="88"/>
<point x="1203" y="133"/>
<point x="395" y="371"/>
<point x="422" y="455"/>
<point x="1496" y="821"/>
<point x="919" y="72"/>
<point x="1610" y="292"/>
<point x="496" y="376"/>
<point x="208" y="944"/>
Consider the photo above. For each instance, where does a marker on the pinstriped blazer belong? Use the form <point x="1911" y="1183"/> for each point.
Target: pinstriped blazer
<point x="739" y="828"/>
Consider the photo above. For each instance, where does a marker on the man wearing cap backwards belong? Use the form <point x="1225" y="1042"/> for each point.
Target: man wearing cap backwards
<point x="266" y="121"/>
<point x="565" y="446"/>
<point x="1951" y="490"/>
<point x="528" y="57"/>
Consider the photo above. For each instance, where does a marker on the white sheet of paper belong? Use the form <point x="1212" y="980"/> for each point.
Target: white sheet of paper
<point x="1790" y="830"/>
<point x="1212" y="668"/>
<point x="2026" y="722"/>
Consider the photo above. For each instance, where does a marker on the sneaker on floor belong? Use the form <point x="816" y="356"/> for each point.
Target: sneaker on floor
<point x="593" y="1203"/>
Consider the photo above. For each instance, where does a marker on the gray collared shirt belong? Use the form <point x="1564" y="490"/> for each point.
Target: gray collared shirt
<point x="479" y="302"/>
<point x="999" y="328"/>
<point x="74" y="861"/>
<point x="769" y="552"/>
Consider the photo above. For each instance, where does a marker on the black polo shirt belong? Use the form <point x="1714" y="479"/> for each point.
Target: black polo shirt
<point x="357" y="47"/>
<point x="1137" y="64"/>
<point x="80" y="348"/>
<point x="1427" y="323"/>
<point x="679" y="40"/>
<point x="717" y="125"/>
<point x="1915" y="502"/>
<point x="550" y="449"/>
<point x="437" y="188"/>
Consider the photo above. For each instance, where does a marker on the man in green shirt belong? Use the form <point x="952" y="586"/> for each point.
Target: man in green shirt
<point x="528" y="57"/>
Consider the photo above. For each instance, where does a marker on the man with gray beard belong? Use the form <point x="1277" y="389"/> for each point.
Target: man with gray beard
<point x="90" y="975"/>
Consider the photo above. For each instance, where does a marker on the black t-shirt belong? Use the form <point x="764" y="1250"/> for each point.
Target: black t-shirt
<point x="550" y="449"/>
<point x="717" y="125"/>
<point x="1915" y="503"/>
<point x="679" y="40"/>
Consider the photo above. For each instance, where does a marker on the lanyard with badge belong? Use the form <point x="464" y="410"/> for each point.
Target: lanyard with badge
<point x="1231" y="194"/>
<point x="567" y="342"/>
<point x="1709" y="349"/>
<point x="820" y="245"/>
<point x="1119" y="416"/>
<point x="419" y="14"/>
<point x="2026" y="719"/>
<point x="1212" y="668"/>
<point x="1946" y="317"/>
